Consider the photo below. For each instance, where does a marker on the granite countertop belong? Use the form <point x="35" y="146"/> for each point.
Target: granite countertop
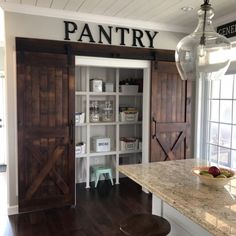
<point x="173" y="182"/>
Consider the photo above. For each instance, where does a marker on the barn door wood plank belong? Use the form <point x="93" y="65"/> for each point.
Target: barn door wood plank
<point x="44" y="172"/>
<point x="171" y="111"/>
<point x="170" y="149"/>
<point x="53" y="174"/>
<point x="45" y="106"/>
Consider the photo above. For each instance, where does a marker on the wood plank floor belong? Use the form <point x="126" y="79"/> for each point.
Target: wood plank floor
<point x="98" y="213"/>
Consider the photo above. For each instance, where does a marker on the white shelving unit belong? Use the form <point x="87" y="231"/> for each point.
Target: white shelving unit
<point x="113" y="71"/>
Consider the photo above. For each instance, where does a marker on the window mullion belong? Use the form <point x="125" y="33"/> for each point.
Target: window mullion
<point x="232" y="116"/>
<point x="218" y="148"/>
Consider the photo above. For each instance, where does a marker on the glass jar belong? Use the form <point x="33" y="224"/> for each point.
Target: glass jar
<point x="94" y="111"/>
<point x="107" y="111"/>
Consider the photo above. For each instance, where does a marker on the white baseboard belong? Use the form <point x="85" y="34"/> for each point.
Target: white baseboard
<point x="12" y="210"/>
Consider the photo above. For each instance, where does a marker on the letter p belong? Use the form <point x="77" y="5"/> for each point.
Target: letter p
<point x="68" y="29"/>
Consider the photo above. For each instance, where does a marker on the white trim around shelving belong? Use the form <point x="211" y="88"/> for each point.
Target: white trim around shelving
<point x="114" y="62"/>
<point x="13" y="210"/>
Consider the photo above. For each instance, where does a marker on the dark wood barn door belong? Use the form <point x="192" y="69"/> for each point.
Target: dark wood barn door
<point x="170" y="114"/>
<point x="45" y="111"/>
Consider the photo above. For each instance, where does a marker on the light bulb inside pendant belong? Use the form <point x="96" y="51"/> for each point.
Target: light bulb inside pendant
<point x="204" y="53"/>
<point x="201" y="51"/>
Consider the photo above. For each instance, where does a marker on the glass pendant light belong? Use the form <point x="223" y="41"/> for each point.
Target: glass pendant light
<point x="204" y="53"/>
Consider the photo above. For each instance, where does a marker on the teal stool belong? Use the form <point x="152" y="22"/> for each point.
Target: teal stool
<point x="98" y="170"/>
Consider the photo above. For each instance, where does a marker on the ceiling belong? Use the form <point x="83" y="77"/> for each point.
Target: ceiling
<point x="165" y="12"/>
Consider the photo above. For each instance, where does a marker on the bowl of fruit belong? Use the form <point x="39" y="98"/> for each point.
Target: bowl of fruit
<point x="213" y="176"/>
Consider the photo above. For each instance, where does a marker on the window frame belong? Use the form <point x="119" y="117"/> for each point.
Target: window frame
<point x="203" y="107"/>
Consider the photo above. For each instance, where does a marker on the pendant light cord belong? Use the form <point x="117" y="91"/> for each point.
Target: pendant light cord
<point x="205" y="8"/>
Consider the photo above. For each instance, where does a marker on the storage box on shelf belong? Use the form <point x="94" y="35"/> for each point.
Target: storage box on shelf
<point x="128" y="115"/>
<point x="129" y="86"/>
<point x="96" y="85"/>
<point x="80" y="149"/>
<point x="101" y="144"/>
<point x="129" y="89"/>
<point x="109" y="87"/>
<point x="79" y="118"/>
<point x="128" y="144"/>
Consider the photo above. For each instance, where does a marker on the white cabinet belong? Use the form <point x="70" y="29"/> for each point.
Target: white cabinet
<point x="180" y="224"/>
<point x="98" y="114"/>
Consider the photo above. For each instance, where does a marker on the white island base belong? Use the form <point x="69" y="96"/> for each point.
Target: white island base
<point x="180" y="224"/>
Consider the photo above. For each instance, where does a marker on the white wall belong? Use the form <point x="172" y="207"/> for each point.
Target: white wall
<point x="21" y="25"/>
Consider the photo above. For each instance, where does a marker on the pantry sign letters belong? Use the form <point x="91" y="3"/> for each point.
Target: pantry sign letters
<point x="105" y="35"/>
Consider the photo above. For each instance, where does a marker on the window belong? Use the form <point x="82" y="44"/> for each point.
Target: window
<point x="221" y="122"/>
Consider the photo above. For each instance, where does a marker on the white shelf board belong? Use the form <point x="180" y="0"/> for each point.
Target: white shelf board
<point x="110" y="123"/>
<point x="114" y="123"/>
<point x="83" y="93"/>
<point x="80" y="93"/>
<point x="95" y="154"/>
<point x="130" y="94"/>
<point x="130" y="122"/>
<point x="81" y="124"/>
<point x="103" y="123"/>
<point x="129" y="152"/>
<point x="80" y="156"/>
<point x="102" y="94"/>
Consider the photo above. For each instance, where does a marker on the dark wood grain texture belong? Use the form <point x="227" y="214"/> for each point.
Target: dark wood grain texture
<point x="98" y="213"/>
<point x="170" y="113"/>
<point x="91" y="49"/>
<point x="45" y="108"/>
<point x="45" y="111"/>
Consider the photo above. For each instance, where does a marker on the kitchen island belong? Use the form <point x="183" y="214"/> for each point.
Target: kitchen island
<point x="191" y="207"/>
